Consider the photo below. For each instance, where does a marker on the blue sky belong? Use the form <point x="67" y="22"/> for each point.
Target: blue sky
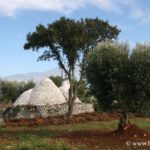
<point x="18" y="17"/>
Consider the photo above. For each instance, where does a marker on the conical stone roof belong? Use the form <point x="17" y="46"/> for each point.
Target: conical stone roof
<point x="46" y="93"/>
<point x="23" y="99"/>
<point x="65" y="91"/>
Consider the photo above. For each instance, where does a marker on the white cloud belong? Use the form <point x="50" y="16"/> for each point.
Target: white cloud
<point x="107" y="5"/>
<point x="136" y="12"/>
<point x="143" y="16"/>
<point x="10" y="7"/>
<point x="129" y="7"/>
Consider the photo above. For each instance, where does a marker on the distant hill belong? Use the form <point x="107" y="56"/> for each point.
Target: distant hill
<point x="35" y="76"/>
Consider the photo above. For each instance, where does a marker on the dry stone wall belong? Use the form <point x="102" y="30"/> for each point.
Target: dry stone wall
<point x="44" y="111"/>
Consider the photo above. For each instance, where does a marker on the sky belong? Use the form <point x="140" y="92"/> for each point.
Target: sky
<point x="19" y="17"/>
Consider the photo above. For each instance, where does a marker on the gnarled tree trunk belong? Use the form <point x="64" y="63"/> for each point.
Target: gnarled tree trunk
<point x="124" y="122"/>
<point x="72" y="93"/>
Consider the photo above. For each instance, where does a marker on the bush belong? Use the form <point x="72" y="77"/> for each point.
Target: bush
<point x="57" y="80"/>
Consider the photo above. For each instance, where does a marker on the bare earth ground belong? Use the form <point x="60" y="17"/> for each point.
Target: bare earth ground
<point x="133" y="137"/>
<point x="61" y="120"/>
<point x="99" y="140"/>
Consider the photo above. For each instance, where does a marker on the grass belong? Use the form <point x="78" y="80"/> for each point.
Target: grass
<point x="43" y="137"/>
<point x="142" y="122"/>
<point x="37" y="140"/>
<point x="39" y="146"/>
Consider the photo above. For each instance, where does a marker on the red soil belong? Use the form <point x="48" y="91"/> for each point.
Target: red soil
<point x="61" y="120"/>
<point x="100" y="140"/>
<point x="92" y="139"/>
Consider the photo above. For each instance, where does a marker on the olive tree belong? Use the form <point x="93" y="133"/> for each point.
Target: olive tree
<point x="139" y="96"/>
<point x="68" y="41"/>
<point x="106" y="72"/>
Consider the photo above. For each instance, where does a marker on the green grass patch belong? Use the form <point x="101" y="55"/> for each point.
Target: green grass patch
<point x="142" y="122"/>
<point x="39" y="146"/>
<point x="40" y="137"/>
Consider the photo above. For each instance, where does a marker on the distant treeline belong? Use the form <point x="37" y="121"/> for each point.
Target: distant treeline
<point x="10" y="90"/>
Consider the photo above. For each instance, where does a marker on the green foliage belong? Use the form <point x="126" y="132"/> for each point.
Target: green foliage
<point x="106" y="72"/>
<point x="68" y="41"/>
<point x="11" y="112"/>
<point x="139" y="89"/>
<point x="57" y="80"/>
<point x="66" y="38"/>
<point x="57" y="146"/>
<point x="10" y="90"/>
<point x="113" y="74"/>
<point x="84" y="93"/>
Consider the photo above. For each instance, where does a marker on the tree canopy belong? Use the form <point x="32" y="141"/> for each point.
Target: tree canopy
<point x="68" y="41"/>
<point x="114" y="74"/>
<point x="139" y="95"/>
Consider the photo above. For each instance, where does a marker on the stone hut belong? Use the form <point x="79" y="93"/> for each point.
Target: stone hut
<point x="23" y="99"/>
<point x="45" y="100"/>
<point x="46" y="93"/>
<point x="65" y="91"/>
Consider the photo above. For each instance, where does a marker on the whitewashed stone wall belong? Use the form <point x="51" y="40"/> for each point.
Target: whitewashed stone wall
<point x="45" y="111"/>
